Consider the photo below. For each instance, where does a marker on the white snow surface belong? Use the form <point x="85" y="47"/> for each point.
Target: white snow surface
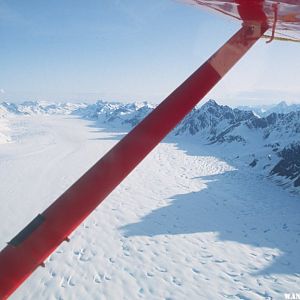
<point x="4" y="128"/>
<point x="187" y="223"/>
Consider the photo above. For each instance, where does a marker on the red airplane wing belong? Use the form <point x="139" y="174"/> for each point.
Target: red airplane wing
<point x="283" y="16"/>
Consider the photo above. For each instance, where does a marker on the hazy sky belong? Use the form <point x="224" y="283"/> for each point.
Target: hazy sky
<point x="130" y="50"/>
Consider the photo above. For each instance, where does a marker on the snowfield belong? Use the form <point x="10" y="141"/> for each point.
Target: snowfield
<point x="188" y="223"/>
<point x="4" y="128"/>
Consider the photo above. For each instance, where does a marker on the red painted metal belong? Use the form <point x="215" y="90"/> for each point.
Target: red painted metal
<point x="287" y="15"/>
<point x="30" y="248"/>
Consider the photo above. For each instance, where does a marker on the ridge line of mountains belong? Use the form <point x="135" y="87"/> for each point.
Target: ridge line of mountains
<point x="267" y="140"/>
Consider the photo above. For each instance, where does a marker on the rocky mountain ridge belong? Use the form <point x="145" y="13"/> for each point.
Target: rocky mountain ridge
<point x="270" y="143"/>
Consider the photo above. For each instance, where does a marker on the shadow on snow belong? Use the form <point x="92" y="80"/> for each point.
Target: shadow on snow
<point x="237" y="211"/>
<point x="258" y="223"/>
<point x="229" y="206"/>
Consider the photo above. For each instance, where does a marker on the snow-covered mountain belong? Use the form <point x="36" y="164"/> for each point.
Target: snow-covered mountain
<point x="258" y="142"/>
<point x="39" y="107"/>
<point x="268" y="144"/>
<point x="116" y="114"/>
<point x="214" y="123"/>
<point x="31" y="108"/>
<point x="265" y="110"/>
<point x="218" y="124"/>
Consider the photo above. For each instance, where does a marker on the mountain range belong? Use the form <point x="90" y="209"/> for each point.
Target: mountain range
<point x="264" y="110"/>
<point x="268" y="144"/>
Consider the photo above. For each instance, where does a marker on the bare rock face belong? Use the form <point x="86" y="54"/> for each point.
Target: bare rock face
<point x="289" y="165"/>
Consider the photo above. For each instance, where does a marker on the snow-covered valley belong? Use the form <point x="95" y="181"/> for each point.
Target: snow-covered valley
<point x="193" y="221"/>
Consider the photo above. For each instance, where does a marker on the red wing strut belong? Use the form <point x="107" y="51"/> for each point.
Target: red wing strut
<point x="47" y="231"/>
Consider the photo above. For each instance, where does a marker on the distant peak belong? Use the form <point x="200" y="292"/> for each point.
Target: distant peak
<point x="29" y="102"/>
<point x="210" y="103"/>
<point x="282" y="104"/>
